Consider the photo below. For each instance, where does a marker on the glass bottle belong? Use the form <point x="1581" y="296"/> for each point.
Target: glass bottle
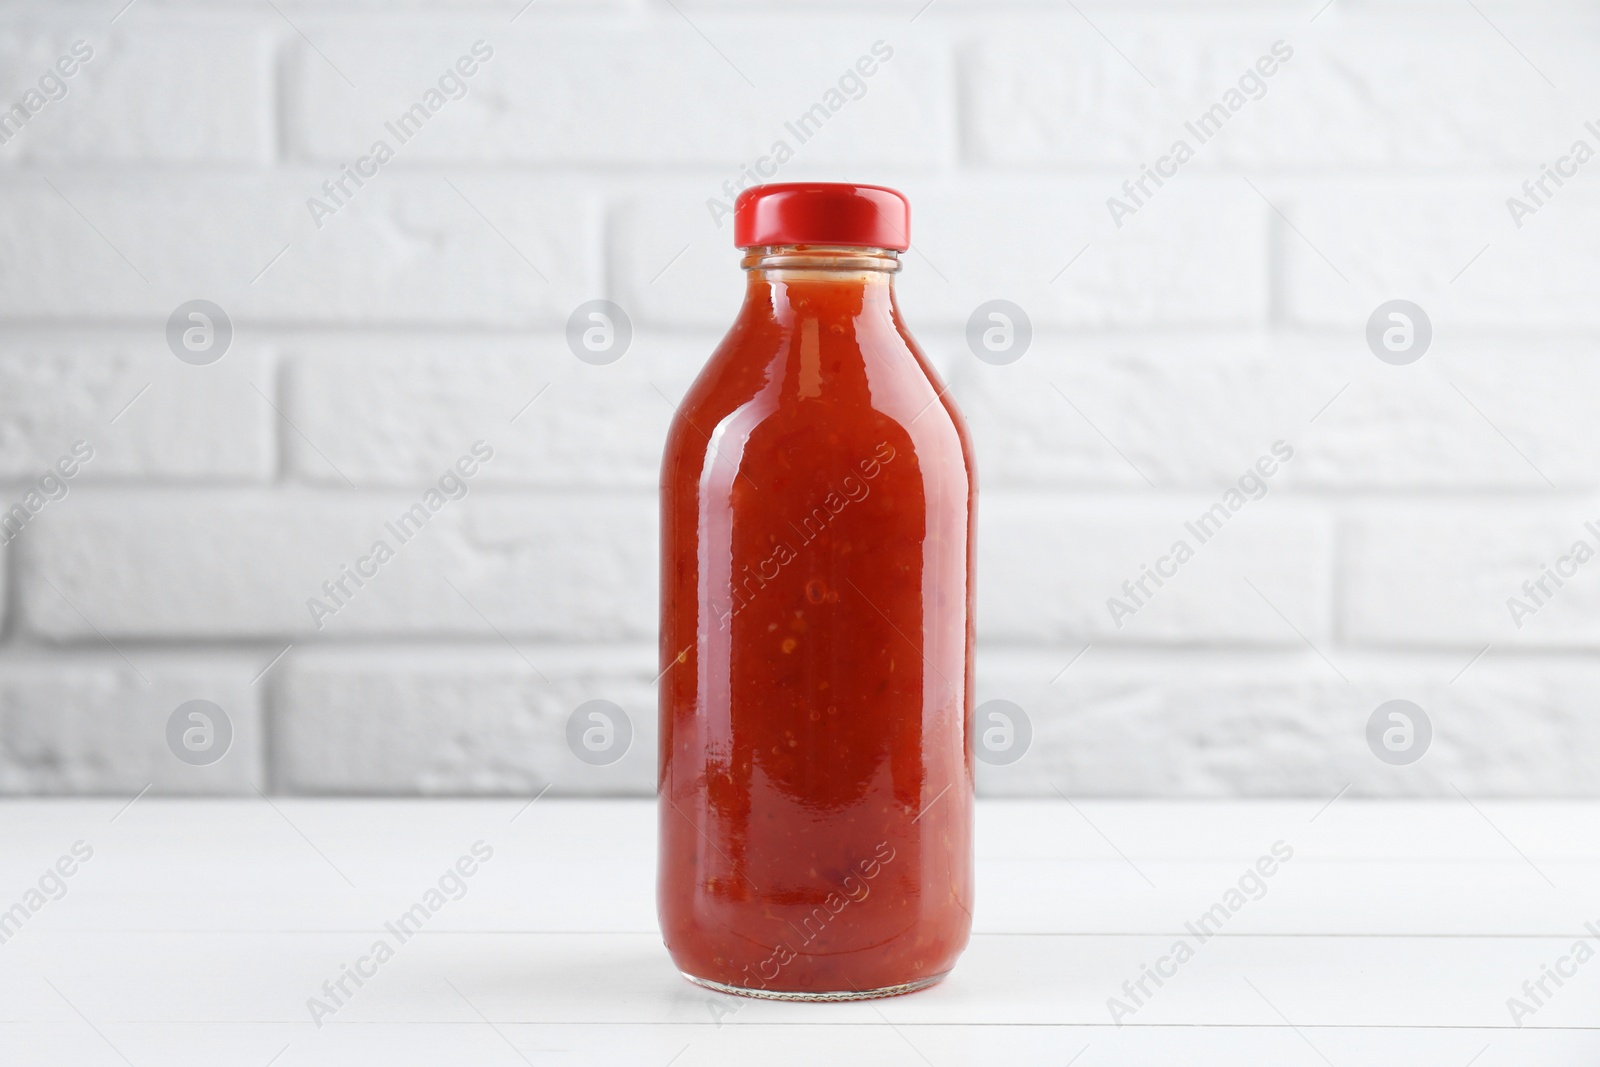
<point x="817" y="505"/>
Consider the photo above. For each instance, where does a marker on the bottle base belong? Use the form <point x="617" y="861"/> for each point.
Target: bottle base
<point x="846" y="994"/>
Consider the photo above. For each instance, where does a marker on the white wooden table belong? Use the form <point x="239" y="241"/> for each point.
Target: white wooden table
<point x="198" y="930"/>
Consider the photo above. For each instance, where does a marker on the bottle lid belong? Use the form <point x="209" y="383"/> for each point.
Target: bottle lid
<point x="822" y="213"/>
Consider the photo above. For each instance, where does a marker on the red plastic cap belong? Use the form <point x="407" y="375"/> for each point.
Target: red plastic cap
<point x="822" y="213"/>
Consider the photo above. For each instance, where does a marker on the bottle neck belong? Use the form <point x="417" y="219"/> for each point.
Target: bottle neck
<point x="792" y="282"/>
<point x="813" y="258"/>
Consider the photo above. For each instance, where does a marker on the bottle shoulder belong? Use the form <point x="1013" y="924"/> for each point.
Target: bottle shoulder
<point x="819" y="394"/>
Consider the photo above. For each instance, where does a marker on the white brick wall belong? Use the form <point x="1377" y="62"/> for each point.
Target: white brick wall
<point x="372" y="350"/>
